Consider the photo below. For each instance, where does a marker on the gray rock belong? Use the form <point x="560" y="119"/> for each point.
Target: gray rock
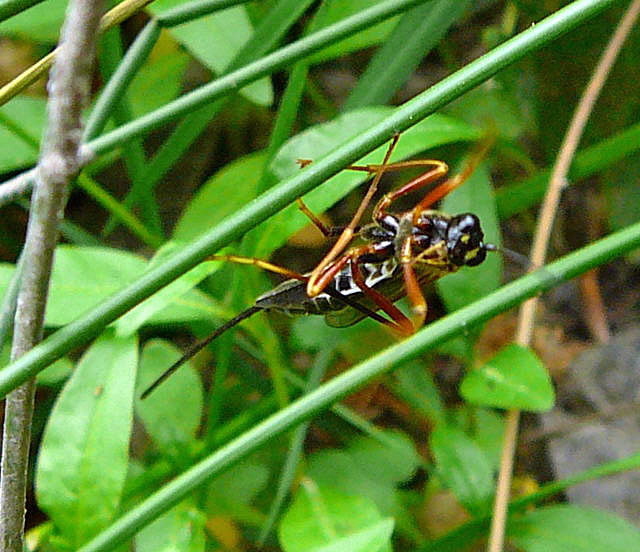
<point x="597" y="420"/>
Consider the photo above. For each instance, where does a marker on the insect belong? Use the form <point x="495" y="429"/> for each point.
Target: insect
<point x="400" y="253"/>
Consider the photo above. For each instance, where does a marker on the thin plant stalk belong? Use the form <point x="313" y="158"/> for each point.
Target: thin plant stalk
<point x="59" y="162"/>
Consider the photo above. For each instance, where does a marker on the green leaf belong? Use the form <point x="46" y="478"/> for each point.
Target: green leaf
<point x="491" y="105"/>
<point x="171" y="414"/>
<point x="21" y="126"/>
<point x="463" y="468"/>
<point x="322" y="520"/>
<point x="232" y="493"/>
<point x="215" y="39"/>
<point x="181" y="529"/>
<point x="368" y="467"/>
<point x="332" y="11"/>
<point x="564" y="528"/>
<point x="488" y="433"/>
<point x="416" y="387"/>
<point x="321" y="139"/>
<point x="41" y="23"/>
<point x="83" y="277"/>
<point x="374" y="537"/>
<point x="55" y="373"/>
<point x="471" y="283"/>
<point x="82" y="463"/>
<point x="220" y="196"/>
<point x="513" y="378"/>
<point x="157" y="82"/>
<point x="392" y="457"/>
<point x="173" y="294"/>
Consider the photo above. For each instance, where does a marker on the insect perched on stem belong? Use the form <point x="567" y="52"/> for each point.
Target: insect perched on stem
<point x="400" y="253"/>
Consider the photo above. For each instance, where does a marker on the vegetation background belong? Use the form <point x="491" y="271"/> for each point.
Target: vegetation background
<point x="409" y="461"/>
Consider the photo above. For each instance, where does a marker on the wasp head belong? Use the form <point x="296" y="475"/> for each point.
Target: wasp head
<point x="464" y="240"/>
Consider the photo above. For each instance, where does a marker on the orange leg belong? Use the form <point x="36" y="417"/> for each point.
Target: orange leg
<point x="265" y="265"/>
<point x="414" y="291"/>
<point x="401" y="323"/>
<point x="372" y="169"/>
<point x="439" y="170"/>
<point x="313" y="287"/>
<point x="327" y="231"/>
<point x="455" y="181"/>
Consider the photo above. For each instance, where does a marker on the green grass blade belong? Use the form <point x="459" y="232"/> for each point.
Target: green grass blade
<point x="468" y="532"/>
<point x="9" y="8"/>
<point x="192" y="10"/>
<point x="417" y="32"/>
<point x="517" y="197"/>
<point x="121" y="78"/>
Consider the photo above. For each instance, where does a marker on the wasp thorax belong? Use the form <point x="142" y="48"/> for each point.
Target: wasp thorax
<point x="430" y="229"/>
<point x="464" y="240"/>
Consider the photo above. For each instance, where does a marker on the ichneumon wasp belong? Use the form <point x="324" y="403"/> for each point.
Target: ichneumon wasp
<point x="400" y="253"/>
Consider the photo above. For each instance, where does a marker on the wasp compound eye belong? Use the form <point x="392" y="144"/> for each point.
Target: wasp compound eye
<point x="464" y="240"/>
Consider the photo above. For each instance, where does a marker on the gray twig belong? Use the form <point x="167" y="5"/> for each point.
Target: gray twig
<point x="59" y="162"/>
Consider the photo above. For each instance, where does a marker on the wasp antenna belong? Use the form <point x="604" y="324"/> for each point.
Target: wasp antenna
<point x="198" y="346"/>
<point x="522" y="260"/>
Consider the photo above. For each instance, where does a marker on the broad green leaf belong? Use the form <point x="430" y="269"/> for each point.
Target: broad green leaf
<point x="322" y="519"/>
<point x="564" y="528"/>
<point x="215" y="39"/>
<point x="157" y="82"/>
<point x="41" y="23"/>
<point x="56" y="372"/>
<point x="171" y="414"/>
<point x="181" y="529"/>
<point x="333" y="11"/>
<point x="220" y="196"/>
<point x="169" y="295"/>
<point x="374" y="537"/>
<point x="83" y="277"/>
<point x="392" y="458"/>
<point x="513" y="378"/>
<point x="471" y="283"/>
<point x="488" y="433"/>
<point x="82" y="463"/>
<point x="491" y="103"/>
<point x="415" y="386"/>
<point x="463" y="468"/>
<point x="26" y="115"/>
<point x="354" y="343"/>
<point x="319" y="140"/>
<point x="368" y="467"/>
<point x="233" y="492"/>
